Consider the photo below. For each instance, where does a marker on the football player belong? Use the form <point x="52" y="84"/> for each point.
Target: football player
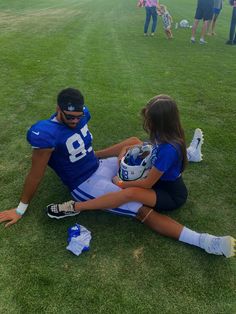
<point x="65" y="144"/>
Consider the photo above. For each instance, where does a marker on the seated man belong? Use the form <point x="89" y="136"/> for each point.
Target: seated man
<point x="65" y="144"/>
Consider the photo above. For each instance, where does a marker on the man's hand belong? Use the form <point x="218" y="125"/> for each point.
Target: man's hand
<point x="9" y="215"/>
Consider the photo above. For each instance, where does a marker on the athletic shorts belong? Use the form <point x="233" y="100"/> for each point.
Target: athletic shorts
<point x="100" y="183"/>
<point x="216" y="11"/>
<point x="204" y="10"/>
<point x="170" y="194"/>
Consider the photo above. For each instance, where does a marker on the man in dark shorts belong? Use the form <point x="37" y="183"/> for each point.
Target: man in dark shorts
<point x="204" y="12"/>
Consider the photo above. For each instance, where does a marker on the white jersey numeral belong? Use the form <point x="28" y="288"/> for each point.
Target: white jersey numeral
<point x="76" y="147"/>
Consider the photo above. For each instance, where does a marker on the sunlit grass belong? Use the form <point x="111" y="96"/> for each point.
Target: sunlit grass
<point x="100" y="49"/>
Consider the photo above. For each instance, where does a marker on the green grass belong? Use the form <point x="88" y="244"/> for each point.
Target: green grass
<point x="99" y="47"/>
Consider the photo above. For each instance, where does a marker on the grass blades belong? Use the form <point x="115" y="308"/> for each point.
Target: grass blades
<point x="99" y="48"/>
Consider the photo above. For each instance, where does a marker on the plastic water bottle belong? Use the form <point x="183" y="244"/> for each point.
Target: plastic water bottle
<point x="73" y="231"/>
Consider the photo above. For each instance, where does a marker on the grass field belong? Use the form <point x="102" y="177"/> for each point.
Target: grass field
<point x="99" y="48"/>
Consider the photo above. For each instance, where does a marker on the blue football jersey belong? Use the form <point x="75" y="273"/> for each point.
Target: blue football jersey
<point x="73" y="158"/>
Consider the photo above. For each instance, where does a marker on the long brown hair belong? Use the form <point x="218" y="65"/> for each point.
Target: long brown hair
<point x="162" y="122"/>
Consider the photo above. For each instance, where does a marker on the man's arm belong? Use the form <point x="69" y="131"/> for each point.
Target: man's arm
<point x="40" y="159"/>
<point x="115" y="150"/>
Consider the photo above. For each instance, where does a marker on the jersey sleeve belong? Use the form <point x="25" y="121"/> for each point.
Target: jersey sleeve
<point x="87" y="113"/>
<point x="164" y="158"/>
<point x="40" y="138"/>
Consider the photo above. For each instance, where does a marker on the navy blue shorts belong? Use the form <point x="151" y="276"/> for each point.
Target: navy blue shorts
<point x="170" y="194"/>
<point x="204" y="10"/>
<point x="216" y="11"/>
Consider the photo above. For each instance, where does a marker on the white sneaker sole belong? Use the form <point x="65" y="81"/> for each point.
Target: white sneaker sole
<point x="70" y="215"/>
<point x="228" y="246"/>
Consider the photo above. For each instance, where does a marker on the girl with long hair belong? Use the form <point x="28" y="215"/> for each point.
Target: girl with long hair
<point x="163" y="188"/>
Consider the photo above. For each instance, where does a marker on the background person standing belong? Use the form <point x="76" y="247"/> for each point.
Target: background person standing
<point x="204" y="12"/>
<point x="232" y="33"/>
<point x="216" y="11"/>
<point x="151" y="12"/>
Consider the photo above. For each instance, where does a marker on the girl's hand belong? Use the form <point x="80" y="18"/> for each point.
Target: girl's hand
<point x="117" y="181"/>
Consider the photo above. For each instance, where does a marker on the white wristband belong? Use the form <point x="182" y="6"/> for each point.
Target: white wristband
<point x="21" y="208"/>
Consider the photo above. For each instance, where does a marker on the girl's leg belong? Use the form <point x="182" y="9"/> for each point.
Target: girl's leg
<point x="210" y="25"/>
<point x="116" y="199"/>
<point x="162" y="224"/>
<point x="213" y="24"/>
<point x="167" y="33"/>
<point x="166" y="226"/>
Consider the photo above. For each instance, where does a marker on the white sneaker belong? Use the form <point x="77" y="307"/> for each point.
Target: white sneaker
<point x="192" y="39"/>
<point x="218" y="245"/>
<point x="202" y="42"/>
<point x="194" y="151"/>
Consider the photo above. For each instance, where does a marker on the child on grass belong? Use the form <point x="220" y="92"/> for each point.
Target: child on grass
<point x="166" y="20"/>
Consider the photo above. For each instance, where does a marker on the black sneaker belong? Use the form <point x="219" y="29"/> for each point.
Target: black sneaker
<point x="229" y="42"/>
<point x="63" y="210"/>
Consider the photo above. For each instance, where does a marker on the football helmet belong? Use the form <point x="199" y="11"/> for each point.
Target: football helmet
<point x="136" y="163"/>
<point x="184" y="24"/>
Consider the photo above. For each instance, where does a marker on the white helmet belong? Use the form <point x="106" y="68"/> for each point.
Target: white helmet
<point x="136" y="163"/>
<point x="184" y="24"/>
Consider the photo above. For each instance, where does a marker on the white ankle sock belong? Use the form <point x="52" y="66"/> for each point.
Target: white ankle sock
<point x="189" y="236"/>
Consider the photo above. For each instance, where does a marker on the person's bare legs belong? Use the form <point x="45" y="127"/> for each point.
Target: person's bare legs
<point x="168" y="33"/>
<point x="166" y="226"/>
<point x="162" y="224"/>
<point x="211" y="28"/>
<point x="194" y="28"/>
<point x="213" y="24"/>
<point x="116" y="199"/>
<point x="203" y="31"/>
